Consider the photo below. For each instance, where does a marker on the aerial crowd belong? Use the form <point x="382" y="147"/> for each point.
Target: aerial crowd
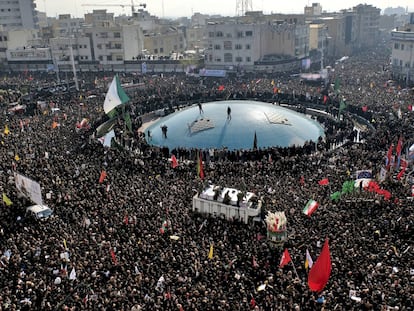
<point x="130" y="241"/>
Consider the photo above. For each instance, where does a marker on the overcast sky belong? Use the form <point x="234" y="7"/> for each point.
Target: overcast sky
<point x="178" y="8"/>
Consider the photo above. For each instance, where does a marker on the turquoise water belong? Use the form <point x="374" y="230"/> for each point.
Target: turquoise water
<point x="274" y="126"/>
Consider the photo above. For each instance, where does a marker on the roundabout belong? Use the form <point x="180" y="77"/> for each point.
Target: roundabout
<point x="234" y="125"/>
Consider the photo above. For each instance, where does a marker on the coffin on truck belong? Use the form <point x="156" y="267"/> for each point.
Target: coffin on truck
<point x="229" y="203"/>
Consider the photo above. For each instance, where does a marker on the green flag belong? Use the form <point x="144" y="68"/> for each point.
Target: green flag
<point x="128" y="123"/>
<point x="336" y="196"/>
<point x="337" y="85"/>
<point x="115" y="96"/>
<point x="105" y="128"/>
<point x="348" y="187"/>
<point x="342" y="106"/>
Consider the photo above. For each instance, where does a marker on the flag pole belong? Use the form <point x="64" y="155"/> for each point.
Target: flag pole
<point x="294" y="269"/>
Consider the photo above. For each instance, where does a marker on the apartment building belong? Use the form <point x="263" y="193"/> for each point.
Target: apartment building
<point x="18" y="14"/>
<point x="402" y="58"/>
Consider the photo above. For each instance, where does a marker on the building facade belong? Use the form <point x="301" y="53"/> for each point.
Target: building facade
<point x="255" y="40"/>
<point x="18" y="14"/>
<point x="402" y="57"/>
<point x="367" y="25"/>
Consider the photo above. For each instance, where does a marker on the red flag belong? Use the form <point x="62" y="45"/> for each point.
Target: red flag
<point x="285" y="259"/>
<point x="302" y="180"/>
<point x="254" y="262"/>
<point x="364" y="108"/>
<point x="410" y="107"/>
<point x="102" y="177"/>
<point x="399" y="147"/>
<point x="221" y="88"/>
<point x="174" y="162"/>
<point x="389" y="155"/>
<point x="324" y="182"/>
<point x="403" y="168"/>
<point x="252" y="303"/>
<point x="321" y="270"/>
<point x="200" y="170"/>
<point x="126" y="219"/>
<point x="325" y="99"/>
<point x="113" y="257"/>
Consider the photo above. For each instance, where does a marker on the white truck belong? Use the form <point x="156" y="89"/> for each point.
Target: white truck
<point x="228" y="203"/>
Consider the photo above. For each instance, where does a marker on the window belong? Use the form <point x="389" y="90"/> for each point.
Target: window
<point x="219" y="34"/>
<point x="248" y="59"/>
<point x="118" y="46"/>
<point x="228" y="57"/>
<point x="396" y="46"/>
<point x="239" y="59"/>
<point x="227" y="45"/>
<point x="239" y="34"/>
<point x="238" y="47"/>
<point x="218" y="59"/>
<point x="109" y="57"/>
<point x="402" y="47"/>
<point x="155" y="51"/>
<point x="99" y="46"/>
<point x="249" y="33"/>
<point x="100" y="57"/>
<point x="247" y="46"/>
<point x="211" y="34"/>
<point x="104" y="35"/>
<point x="217" y="47"/>
<point x="161" y="50"/>
<point x="119" y="58"/>
<point x="117" y="35"/>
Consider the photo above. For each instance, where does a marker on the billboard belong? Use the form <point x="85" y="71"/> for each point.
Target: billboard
<point x="28" y="187"/>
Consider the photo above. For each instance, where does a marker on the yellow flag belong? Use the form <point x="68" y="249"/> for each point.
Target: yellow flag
<point x="16" y="157"/>
<point x="210" y="253"/>
<point x="6" y="130"/>
<point x="6" y="200"/>
<point x="64" y="243"/>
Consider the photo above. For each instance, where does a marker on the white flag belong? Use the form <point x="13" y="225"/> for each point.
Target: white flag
<point x="309" y="261"/>
<point x="72" y="275"/>
<point x="115" y="96"/>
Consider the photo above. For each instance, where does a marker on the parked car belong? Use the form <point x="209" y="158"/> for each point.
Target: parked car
<point x="39" y="212"/>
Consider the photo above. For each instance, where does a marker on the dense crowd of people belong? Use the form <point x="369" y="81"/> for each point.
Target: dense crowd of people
<point x="109" y="246"/>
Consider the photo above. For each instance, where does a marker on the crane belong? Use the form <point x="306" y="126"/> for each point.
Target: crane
<point x="120" y="5"/>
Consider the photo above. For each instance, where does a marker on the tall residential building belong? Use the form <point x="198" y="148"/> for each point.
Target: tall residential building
<point x="112" y="43"/>
<point x="402" y="58"/>
<point x="367" y="25"/>
<point x="18" y="14"/>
